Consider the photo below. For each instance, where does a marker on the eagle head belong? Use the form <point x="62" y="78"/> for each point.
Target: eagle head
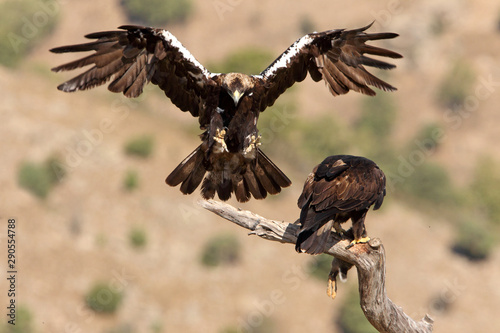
<point x="237" y="85"/>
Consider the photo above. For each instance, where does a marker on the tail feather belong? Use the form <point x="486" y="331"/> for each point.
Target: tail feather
<point x="241" y="190"/>
<point x="208" y="187"/>
<point x="193" y="180"/>
<point x="268" y="184"/>
<point x="314" y="230"/>
<point x="253" y="185"/>
<point x="224" y="189"/>
<point x="189" y="172"/>
<point x="314" y="241"/>
<point x="273" y="172"/>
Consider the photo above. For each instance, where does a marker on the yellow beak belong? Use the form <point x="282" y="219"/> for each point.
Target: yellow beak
<point x="236" y="97"/>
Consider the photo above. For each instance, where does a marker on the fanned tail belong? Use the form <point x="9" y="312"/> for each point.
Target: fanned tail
<point x="258" y="178"/>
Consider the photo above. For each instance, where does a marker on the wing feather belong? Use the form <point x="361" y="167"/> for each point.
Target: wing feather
<point x="134" y="56"/>
<point x="336" y="56"/>
<point x="343" y="183"/>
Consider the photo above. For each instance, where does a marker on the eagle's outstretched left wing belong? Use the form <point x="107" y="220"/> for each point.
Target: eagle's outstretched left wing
<point x="336" y="56"/>
<point x="134" y="56"/>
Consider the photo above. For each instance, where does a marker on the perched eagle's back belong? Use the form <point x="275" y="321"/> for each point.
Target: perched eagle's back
<point x="344" y="182"/>
<point x="339" y="188"/>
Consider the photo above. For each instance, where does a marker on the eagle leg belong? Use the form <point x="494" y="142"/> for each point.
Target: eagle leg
<point x="338" y="228"/>
<point x="339" y="269"/>
<point x="331" y="289"/>
<point x="254" y="143"/>
<point x="219" y="138"/>
<point x="358" y="228"/>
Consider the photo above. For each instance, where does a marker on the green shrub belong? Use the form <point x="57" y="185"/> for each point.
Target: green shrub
<point x="138" y="237"/>
<point x="320" y="266"/>
<point x="39" y="178"/>
<point x="439" y="23"/>
<point x="306" y="25"/>
<point x="223" y="249"/>
<point x="122" y="328"/>
<point x="321" y="137"/>
<point x="249" y="60"/>
<point x="104" y="298"/>
<point x="157" y="12"/>
<point x="157" y="327"/>
<point x="473" y="241"/>
<point x="485" y="189"/>
<point x="23" y="322"/>
<point x="55" y="169"/>
<point x="22" y="25"/>
<point x="429" y="137"/>
<point x="429" y="182"/>
<point x="131" y="180"/>
<point x="141" y="146"/>
<point x="498" y="21"/>
<point x="456" y="85"/>
<point x="34" y="178"/>
<point x="101" y="239"/>
<point x="378" y="115"/>
<point x="351" y="318"/>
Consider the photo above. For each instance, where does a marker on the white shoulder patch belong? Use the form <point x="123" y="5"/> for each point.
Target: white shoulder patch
<point x="174" y="42"/>
<point x="284" y="59"/>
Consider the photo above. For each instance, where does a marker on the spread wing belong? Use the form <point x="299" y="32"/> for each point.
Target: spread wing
<point x="338" y="57"/>
<point x="132" y="57"/>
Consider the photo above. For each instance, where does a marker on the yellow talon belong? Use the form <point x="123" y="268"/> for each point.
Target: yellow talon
<point x="257" y="140"/>
<point x="219" y="137"/>
<point x="331" y="290"/>
<point x="358" y="241"/>
<point x="254" y="143"/>
<point x="361" y="240"/>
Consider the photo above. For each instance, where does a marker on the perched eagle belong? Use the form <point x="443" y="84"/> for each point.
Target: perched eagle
<point x="227" y="105"/>
<point x="340" y="188"/>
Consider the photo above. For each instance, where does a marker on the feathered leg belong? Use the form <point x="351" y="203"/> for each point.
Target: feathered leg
<point x="339" y="268"/>
<point x="358" y="228"/>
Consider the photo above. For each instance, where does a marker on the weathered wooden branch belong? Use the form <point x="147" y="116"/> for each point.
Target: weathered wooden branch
<point x="369" y="260"/>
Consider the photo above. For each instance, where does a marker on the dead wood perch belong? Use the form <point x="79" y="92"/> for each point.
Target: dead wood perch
<point x="369" y="260"/>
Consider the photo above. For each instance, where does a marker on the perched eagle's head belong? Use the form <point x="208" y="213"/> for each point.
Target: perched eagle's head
<point x="237" y="85"/>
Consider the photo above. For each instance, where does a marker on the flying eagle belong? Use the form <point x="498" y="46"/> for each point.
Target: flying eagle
<point x="340" y="188"/>
<point x="227" y="105"/>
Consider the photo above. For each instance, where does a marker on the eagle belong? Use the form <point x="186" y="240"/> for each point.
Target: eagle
<point x="340" y="188"/>
<point x="227" y="106"/>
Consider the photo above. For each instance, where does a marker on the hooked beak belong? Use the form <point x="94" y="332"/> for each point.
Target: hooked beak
<point x="236" y="97"/>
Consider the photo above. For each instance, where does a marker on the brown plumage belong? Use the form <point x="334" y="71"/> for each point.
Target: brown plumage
<point x="227" y="105"/>
<point x="340" y="188"/>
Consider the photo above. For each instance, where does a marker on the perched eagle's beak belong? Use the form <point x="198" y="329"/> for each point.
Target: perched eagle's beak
<point x="236" y="95"/>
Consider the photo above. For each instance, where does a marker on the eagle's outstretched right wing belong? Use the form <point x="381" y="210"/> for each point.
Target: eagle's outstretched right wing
<point x="134" y="56"/>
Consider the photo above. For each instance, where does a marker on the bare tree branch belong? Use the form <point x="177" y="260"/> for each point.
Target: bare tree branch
<point x="369" y="260"/>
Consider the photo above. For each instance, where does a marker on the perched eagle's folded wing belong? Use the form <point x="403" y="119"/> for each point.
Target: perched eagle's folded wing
<point x="353" y="186"/>
<point x="134" y="56"/>
<point x="336" y="56"/>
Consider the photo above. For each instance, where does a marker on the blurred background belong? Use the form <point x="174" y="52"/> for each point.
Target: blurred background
<point x="104" y="245"/>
